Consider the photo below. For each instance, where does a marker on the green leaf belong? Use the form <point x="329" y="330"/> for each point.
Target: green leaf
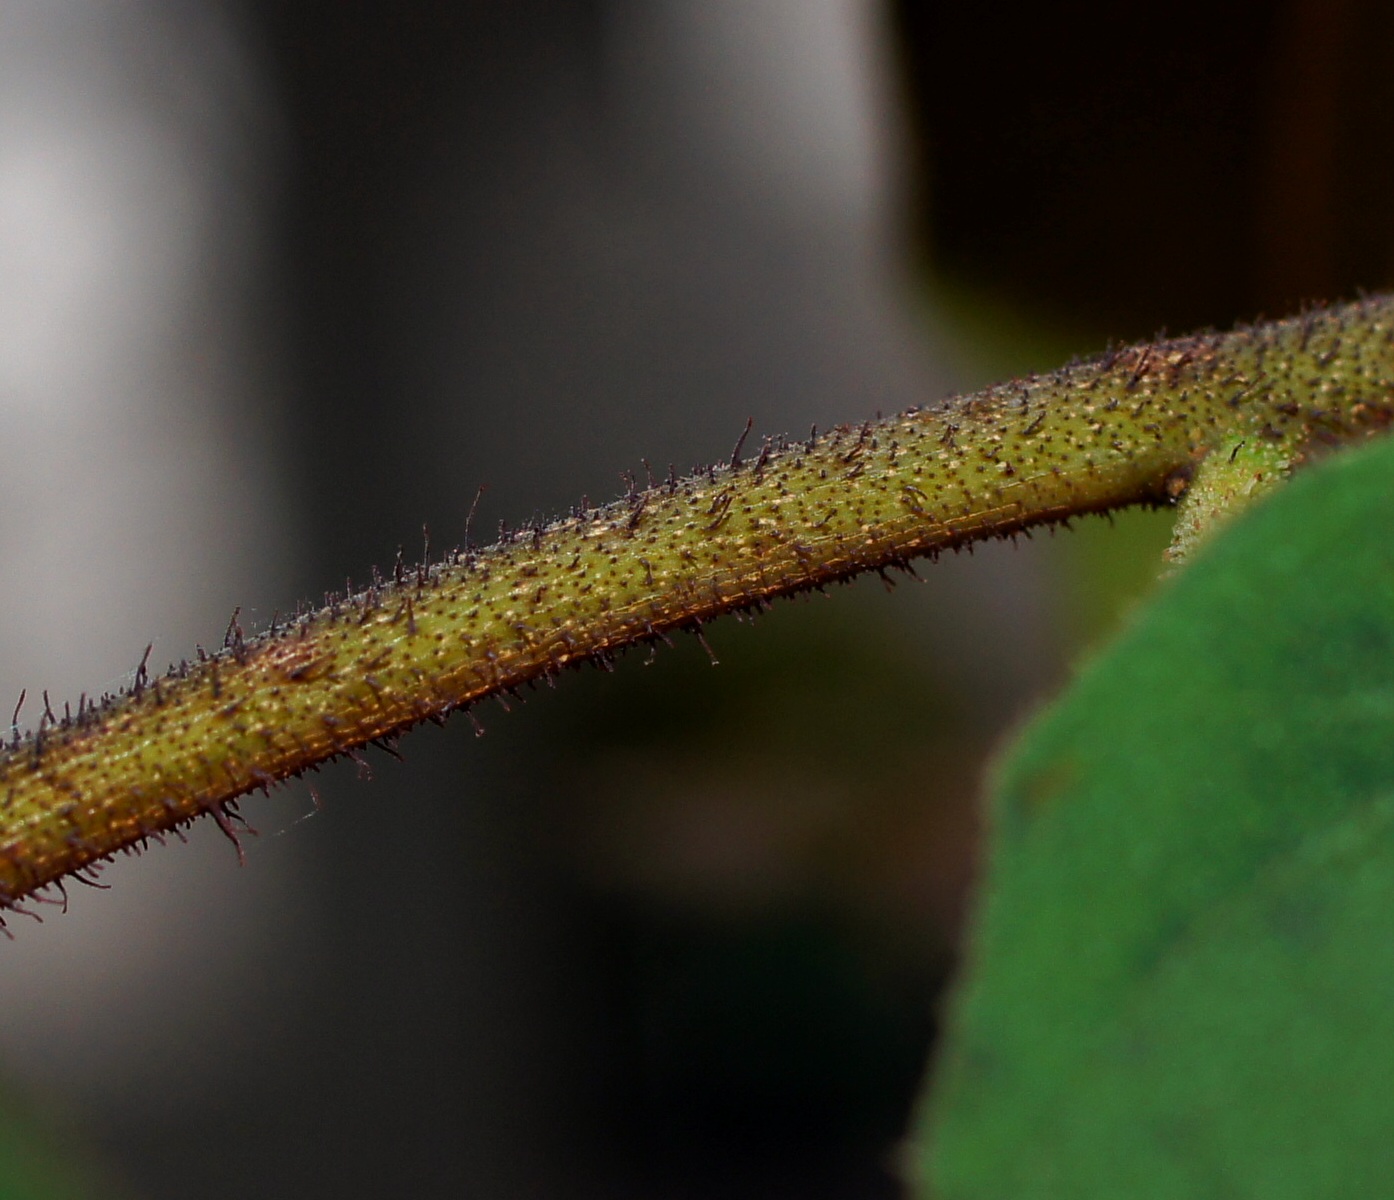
<point x="37" y="1162"/>
<point x="1182" y="978"/>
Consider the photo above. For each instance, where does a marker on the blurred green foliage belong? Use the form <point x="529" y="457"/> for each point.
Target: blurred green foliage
<point x="1181" y="978"/>
<point x="37" y="1163"/>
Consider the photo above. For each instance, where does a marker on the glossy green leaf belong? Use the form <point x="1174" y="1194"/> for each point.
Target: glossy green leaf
<point x="1182" y="977"/>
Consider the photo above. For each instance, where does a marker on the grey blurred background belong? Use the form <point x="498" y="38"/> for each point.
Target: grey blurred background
<point x="282" y="284"/>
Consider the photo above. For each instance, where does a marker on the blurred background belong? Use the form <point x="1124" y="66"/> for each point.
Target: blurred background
<point x="282" y="284"/>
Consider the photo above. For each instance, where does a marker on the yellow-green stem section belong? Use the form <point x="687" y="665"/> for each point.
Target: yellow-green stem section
<point x="1127" y="428"/>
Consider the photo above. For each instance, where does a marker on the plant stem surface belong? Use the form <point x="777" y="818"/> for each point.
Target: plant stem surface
<point x="1130" y="427"/>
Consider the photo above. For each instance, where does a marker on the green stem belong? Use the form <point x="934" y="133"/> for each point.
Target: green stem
<point x="1230" y="478"/>
<point x="1129" y="428"/>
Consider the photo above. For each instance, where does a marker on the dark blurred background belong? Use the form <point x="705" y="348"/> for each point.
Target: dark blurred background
<point x="282" y="284"/>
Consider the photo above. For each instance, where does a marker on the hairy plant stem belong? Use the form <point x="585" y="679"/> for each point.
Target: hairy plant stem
<point x="1131" y="427"/>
